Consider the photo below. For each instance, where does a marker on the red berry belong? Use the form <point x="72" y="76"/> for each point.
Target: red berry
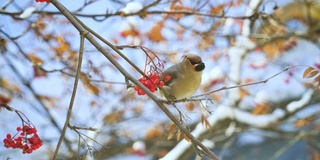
<point x="25" y="128"/>
<point x="167" y="78"/>
<point x="152" y="89"/>
<point x="140" y="92"/>
<point x="156" y="81"/>
<point x="9" y="136"/>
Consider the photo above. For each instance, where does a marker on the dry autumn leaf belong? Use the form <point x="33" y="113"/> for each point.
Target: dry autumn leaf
<point x="154" y="134"/>
<point x="34" y="59"/>
<point x="312" y="74"/>
<point x="261" y="109"/>
<point x="186" y="138"/>
<point x="243" y="93"/>
<point x="172" y="131"/>
<point x="303" y="122"/>
<point x="113" y="117"/>
<point x="317" y="80"/>
<point x="9" y="85"/>
<point x="190" y="106"/>
<point x="178" y="6"/>
<point x="272" y="49"/>
<point x="86" y="82"/>
<point x="64" y="47"/>
<point x="217" y="10"/>
<point x="179" y="135"/>
<point x="155" y="33"/>
<point x="3" y="44"/>
<point x="130" y="32"/>
<point x="4" y="83"/>
<point x="204" y="121"/>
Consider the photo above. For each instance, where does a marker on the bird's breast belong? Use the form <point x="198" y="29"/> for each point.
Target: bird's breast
<point x="185" y="86"/>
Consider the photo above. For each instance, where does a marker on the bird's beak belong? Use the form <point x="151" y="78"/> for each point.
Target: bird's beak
<point x="199" y="67"/>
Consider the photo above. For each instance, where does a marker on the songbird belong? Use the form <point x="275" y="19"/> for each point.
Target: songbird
<point x="185" y="77"/>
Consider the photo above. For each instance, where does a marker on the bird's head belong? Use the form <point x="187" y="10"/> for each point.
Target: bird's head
<point x="193" y="62"/>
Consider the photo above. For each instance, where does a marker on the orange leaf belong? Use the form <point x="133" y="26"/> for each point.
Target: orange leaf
<point x="178" y="6"/>
<point x="303" y="122"/>
<point x="113" y="117"/>
<point x="8" y="85"/>
<point x="243" y="93"/>
<point x="93" y="104"/>
<point x="63" y="46"/>
<point x="317" y="79"/>
<point x="86" y="82"/>
<point x="34" y="59"/>
<point x="273" y="49"/>
<point x="154" y="134"/>
<point x="186" y="138"/>
<point x="93" y="89"/>
<point x="307" y="71"/>
<point x="190" y="106"/>
<point x="172" y="130"/>
<point x="3" y="44"/>
<point x="312" y="74"/>
<point x="216" y="97"/>
<point x="50" y="101"/>
<point x="38" y="72"/>
<point x="261" y="109"/>
<point x="248" y="80"/>
<point x="155" y="33"/>
<point x="40" y="25"/>
<point x="5" y="83"/>
<point x="205" y="121"/>
<point x="130" y="32"/>
<point x="179" y="134"/>
<point x="217" y="10"/>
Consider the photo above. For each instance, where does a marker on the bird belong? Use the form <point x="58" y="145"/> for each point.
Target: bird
<point x="185" y="78"/>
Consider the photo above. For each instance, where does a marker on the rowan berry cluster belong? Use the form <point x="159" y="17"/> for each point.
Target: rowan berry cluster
<point x="151" y="82"/>
<point x="48" y="1"/>
<point x="28" y="140"/>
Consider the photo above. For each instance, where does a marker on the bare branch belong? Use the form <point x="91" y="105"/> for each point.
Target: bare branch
<point x="243" y="85"/>
<point x="73" y="96"/>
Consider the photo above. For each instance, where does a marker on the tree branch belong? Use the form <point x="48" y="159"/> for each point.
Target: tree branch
<point x="73" y="96"/>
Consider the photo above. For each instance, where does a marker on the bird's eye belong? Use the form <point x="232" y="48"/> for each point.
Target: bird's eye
<point x="193" y="63"/>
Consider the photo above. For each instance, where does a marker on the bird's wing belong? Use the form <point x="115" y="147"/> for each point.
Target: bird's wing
<point x="172" y="72"/>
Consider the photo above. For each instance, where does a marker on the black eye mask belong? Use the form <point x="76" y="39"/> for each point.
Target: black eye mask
<point x="193" y="63"/>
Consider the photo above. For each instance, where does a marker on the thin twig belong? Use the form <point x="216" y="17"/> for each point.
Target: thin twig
<point x="286" y="147"/>
<point x="243" y="85"/>
<point x="8" y="107"/>
<point x="73" y="96"/>
<point x="119" y="13"/>
<point x="83" y="128"/>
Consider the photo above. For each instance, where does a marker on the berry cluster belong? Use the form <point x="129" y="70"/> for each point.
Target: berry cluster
<point x="28" y="140"/>
<point x="48" y="1"/>
<point x="151" y="82"/>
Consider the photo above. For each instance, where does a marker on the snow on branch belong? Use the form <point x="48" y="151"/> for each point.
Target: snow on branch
<point x="295" y="105"/>
<point x="227" y="112"/>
